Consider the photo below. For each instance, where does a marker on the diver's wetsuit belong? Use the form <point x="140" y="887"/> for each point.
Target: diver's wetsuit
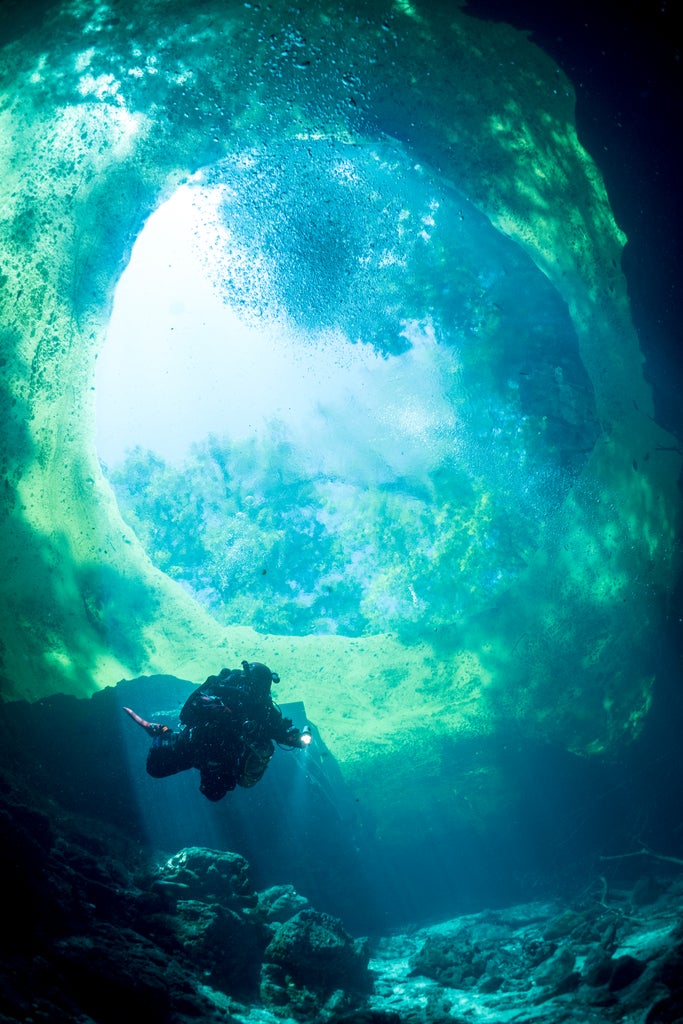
<point x="229" y="724"/>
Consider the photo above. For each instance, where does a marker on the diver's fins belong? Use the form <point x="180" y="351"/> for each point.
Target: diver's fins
<point x="152" y="728"/>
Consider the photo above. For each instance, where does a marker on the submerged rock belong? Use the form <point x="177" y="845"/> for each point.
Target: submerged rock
<point x="453" y="962"/>
<point x="225" y="946"/>
<point x="104" y="931"/>
<point x="211" y="875"/>
<point x="554" y="971"/>
<point x="635" y="978"/>
<point x="313" y="969"/>
<point x="279" y="903"/>
<point x="112" y="973"/>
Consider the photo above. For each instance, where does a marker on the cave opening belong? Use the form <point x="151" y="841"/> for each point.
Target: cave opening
<point x="333" y="397"/>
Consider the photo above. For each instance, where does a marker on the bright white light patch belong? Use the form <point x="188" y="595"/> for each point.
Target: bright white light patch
<point x="180" y="364"/>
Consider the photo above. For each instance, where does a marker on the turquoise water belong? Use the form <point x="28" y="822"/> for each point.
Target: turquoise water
<point x="349" y="423"/>
<point x="320" y="350"/>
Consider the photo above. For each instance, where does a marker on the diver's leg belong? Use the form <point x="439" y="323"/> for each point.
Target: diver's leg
<point x="216" y="780"/>
<point x="168" y="755"/>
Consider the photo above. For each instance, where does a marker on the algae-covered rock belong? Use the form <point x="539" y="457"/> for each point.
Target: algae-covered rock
<point x="313" y="967"/>
<point x="219" y="876"/>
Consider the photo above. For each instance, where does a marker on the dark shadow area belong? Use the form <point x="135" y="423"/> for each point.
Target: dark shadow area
<point x="19" y="17"/>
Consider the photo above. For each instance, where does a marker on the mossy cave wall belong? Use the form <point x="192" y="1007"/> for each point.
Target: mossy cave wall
<point x="104" y="110"/>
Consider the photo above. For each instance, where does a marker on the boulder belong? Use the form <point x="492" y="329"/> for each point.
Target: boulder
<point x="279" y="903"/>
<point x="313" y="969"/>
<point x="212" y="876"/>
<point x="554" y="971"/>
<point x="226" y="946"/>
<point x="625" y="970"/>
<point x="453" y="961"/>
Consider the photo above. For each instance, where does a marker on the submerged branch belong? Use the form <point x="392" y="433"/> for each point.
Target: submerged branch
<point x="645" y="853"/>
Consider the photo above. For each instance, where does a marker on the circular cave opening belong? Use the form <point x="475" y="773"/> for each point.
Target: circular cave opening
<point x="334" y="399"/>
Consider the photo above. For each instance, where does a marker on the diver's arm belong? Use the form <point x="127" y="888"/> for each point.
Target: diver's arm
<point x="286" y="733"/>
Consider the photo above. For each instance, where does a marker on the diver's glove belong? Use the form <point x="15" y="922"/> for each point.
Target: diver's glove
<point x="153" y="729"/>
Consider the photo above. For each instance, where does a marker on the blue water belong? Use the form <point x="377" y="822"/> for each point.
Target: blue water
<point x="303" y="824"/>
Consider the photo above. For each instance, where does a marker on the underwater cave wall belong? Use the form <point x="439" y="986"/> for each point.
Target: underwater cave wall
<point x="103" y="112"/>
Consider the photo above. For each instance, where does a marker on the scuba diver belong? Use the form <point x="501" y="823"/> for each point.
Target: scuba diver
<point x="228" y="725"/>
